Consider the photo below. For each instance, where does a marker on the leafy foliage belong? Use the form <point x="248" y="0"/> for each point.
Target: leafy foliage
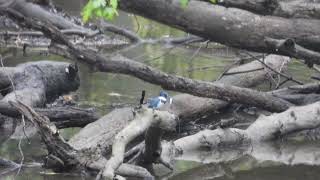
<point x="100" y="8"/>
<point x="184" y="3"/>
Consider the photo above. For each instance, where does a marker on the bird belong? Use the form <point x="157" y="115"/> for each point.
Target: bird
<point x="158" y="102"/>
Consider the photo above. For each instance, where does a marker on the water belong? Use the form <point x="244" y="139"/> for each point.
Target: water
<point x="105" y="91"/>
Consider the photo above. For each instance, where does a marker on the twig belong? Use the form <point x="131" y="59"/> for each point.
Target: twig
<point x="23" y="122"/>
<point x="277" y="72"/>
<point x="121" y="31"/>
<point x="316" y="68"/>
<point x="138" y="24"/>
<point x="227" y="68"/>
<point x="38" y="33"/>
<point x="241" y="72"/>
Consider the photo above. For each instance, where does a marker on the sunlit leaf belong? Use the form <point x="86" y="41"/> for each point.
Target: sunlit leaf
<point x="184" y="3"/>
<point x="100" y="8"/>
<point x="98" y="3"/>
<point x="87" y="11"/>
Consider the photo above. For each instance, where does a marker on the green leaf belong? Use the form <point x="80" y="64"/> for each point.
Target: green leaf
<point x="98" y="3"/>
<point x="87" y="11"/>
<point x="213" y="1"/>
<point x="99" y="12"/>
<point x="101" y="9"/>
<point x="184" y="3"/>
<point x="108" y="13"/>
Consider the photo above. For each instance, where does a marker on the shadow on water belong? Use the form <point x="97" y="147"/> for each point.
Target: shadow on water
<point x="105" y="91"/>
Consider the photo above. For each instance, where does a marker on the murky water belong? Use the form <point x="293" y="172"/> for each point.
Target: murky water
<point x="106" y="91"/>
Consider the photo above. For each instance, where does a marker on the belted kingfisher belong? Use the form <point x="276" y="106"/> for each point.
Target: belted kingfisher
<point x="157" y="102"/>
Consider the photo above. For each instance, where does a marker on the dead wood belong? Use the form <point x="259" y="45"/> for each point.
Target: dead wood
<point x="120" y="64"/>
<point x="37" y="83"/>
<point x="62" y="117"/>
<point x="230" y="26"/>
<point x="101" y="133"/>
<point x="263" y="129"/>
<point x="69" y="159"/>
<point x="291" y="9"/>
<point x="144" y="118"/>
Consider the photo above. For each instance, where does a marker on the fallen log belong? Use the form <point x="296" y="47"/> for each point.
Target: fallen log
<point x="36" y="83"/>
<point x="68" y="158"/>
<point x="265" y="128"/>
<point x="35" y="11"/>
<point x="287" y="9"/>
<point x="229" y="26"/>
<point x="120" y="64"/>
<point x="62" y="117"/>
<point x="101" y="133"/>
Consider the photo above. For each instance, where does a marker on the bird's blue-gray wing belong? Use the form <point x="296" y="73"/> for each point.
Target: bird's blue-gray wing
<point x="153" y="103"/>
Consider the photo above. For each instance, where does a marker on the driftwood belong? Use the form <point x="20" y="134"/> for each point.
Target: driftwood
<point x="230" y="26"/>
<point x="90" y="148"/>
<point x="291" y="9"/>
<point x="263" y="129"/>
<point x="69" y="158"/>
<point x="94" y="135"/>
<point x="120" y="64"/>
<point x="38" y="83"/>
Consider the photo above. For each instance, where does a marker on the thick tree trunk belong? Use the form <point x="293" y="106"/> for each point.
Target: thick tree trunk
<point x="37" y="83"/>
<point x="263" y="129"/>
<point x="30" y="9"/>
<point x="291" y="9"/>
<point x="229" y="26"/>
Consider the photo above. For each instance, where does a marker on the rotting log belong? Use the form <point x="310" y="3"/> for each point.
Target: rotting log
<point x="70" y="159"/>
<point x="229" y="26"/>
<point x="101" y="133"/>
<point x="120" y="64"/>
<point x="265" y="128"/>
<point x="36" y="83"/>
<point x="144" y="118"/>
<point x="35" y="11"/>
<point x="288" y="9"/>
<point x="61" y="116"/>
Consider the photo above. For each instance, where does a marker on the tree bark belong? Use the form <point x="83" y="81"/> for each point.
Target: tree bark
<point x="37" y="83"/>
<point x="101" y="133"/>
<point x="263" y="129"/>
<point x="32" y="10"/>
<point x="291" y="9"/>
<point x="230" y="26"/>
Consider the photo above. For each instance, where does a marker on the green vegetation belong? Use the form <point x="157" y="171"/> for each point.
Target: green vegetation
<point x="106" y="9"/>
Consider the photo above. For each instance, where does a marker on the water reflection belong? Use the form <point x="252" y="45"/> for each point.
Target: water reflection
<point x="260" y="161"/>
<point x="103" y="91"/>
